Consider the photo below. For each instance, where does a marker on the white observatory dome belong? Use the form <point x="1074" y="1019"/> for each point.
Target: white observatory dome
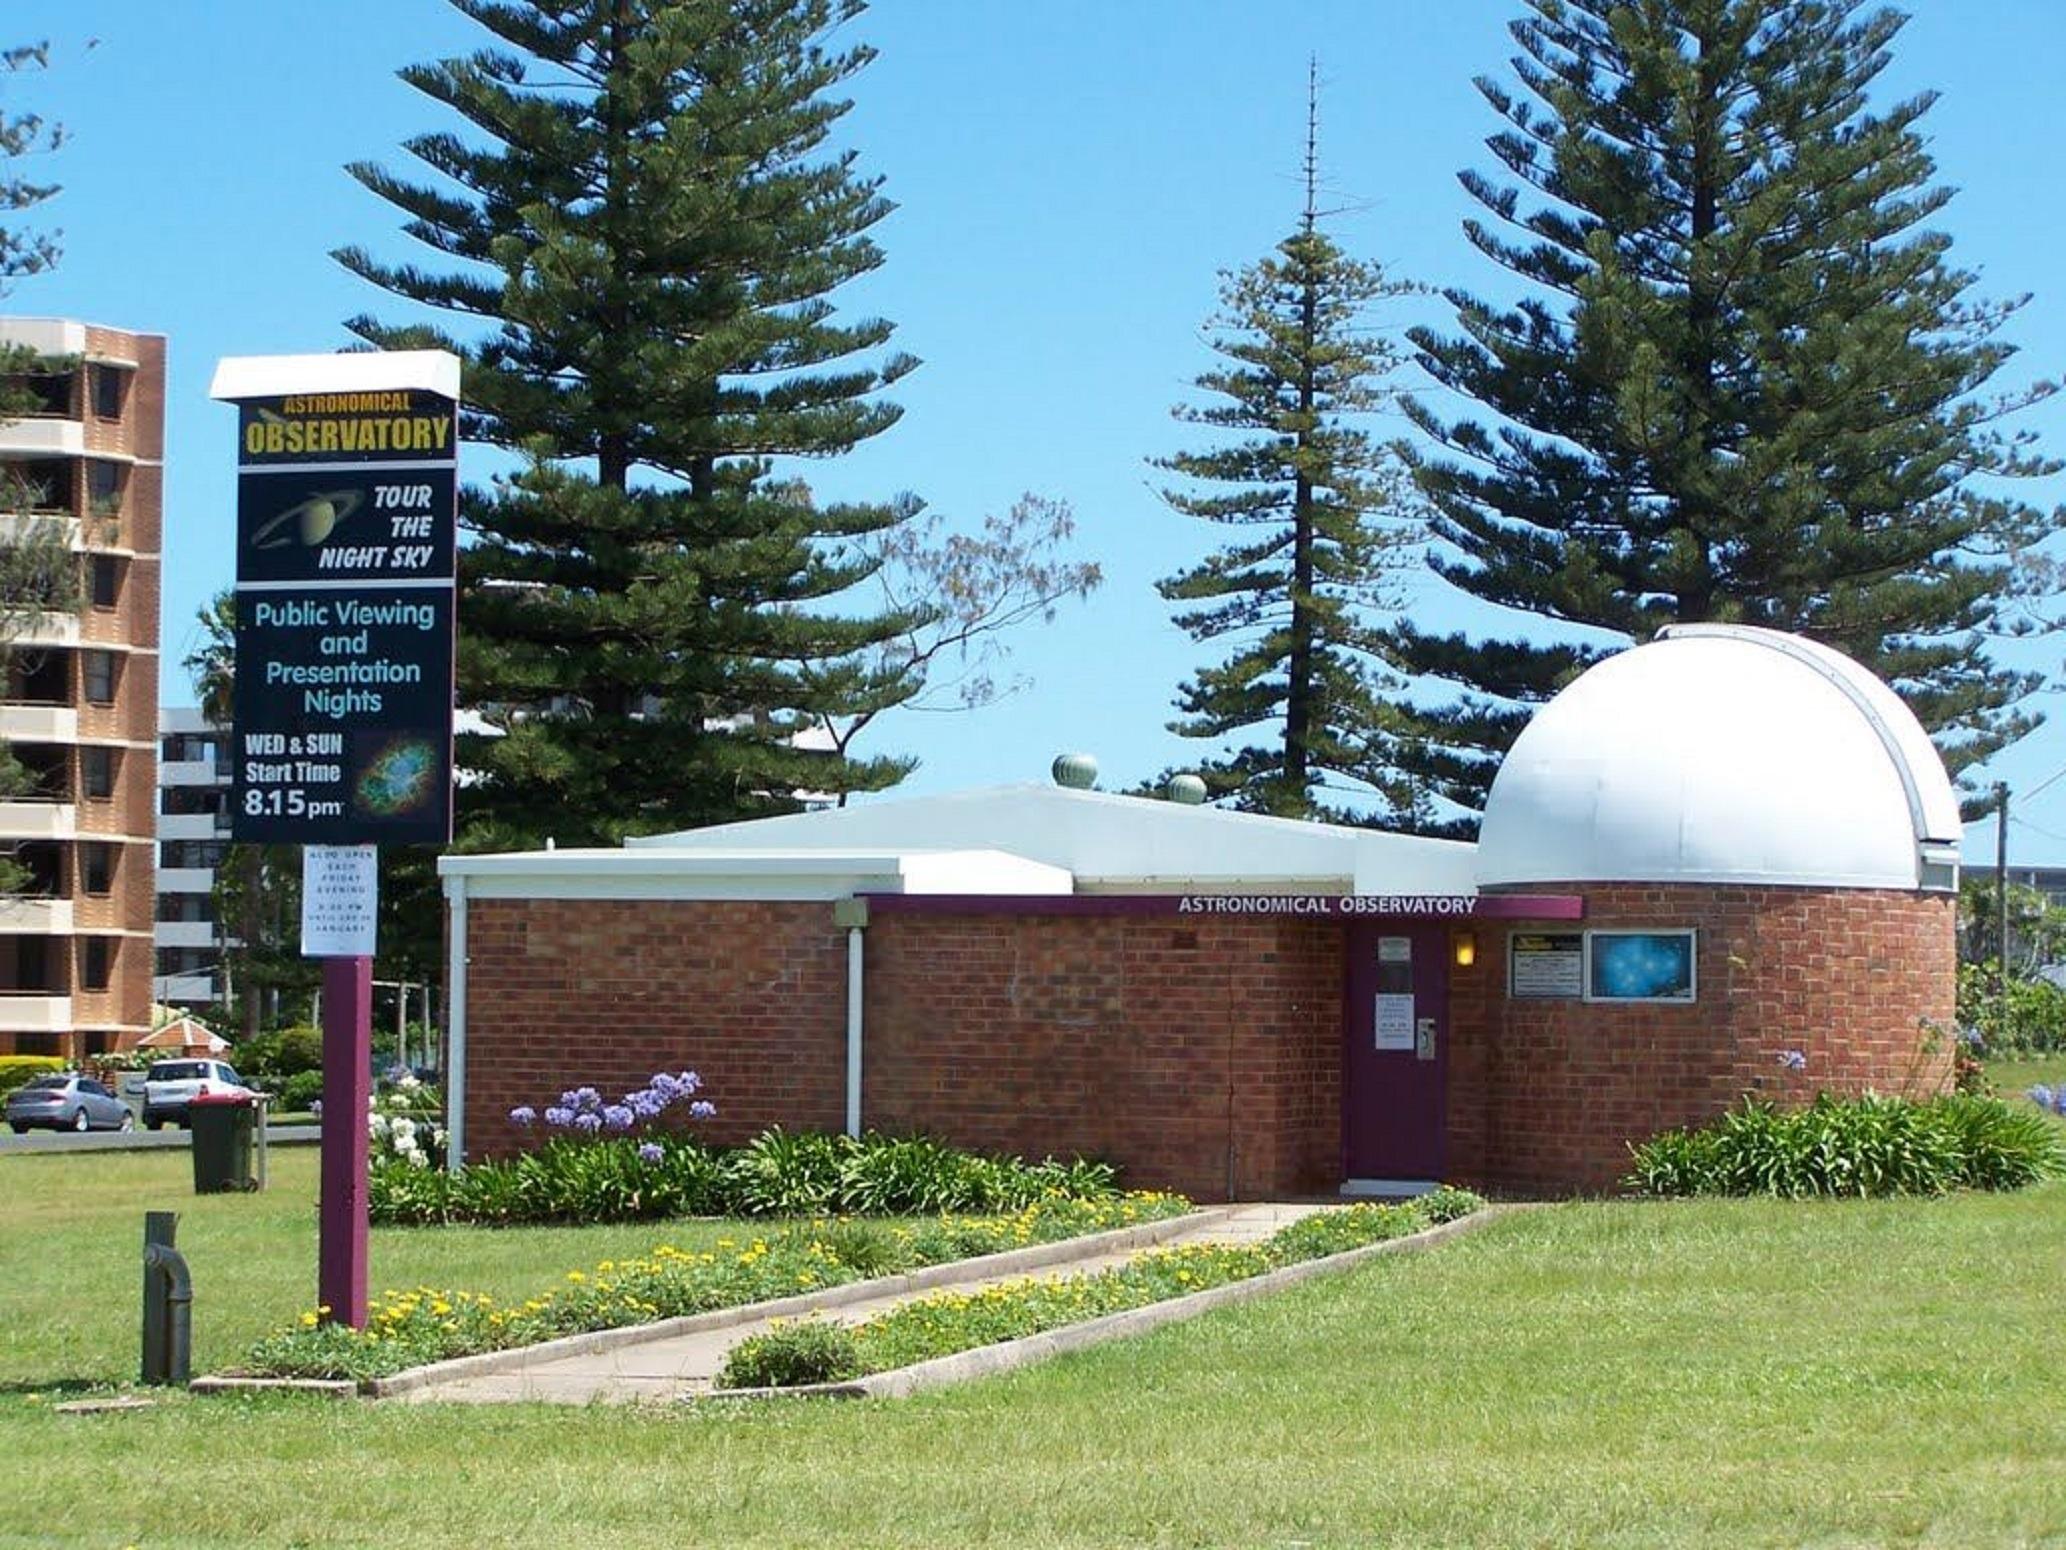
<point x="1723" y="754"/>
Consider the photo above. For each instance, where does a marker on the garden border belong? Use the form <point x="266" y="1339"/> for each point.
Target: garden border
<point x="1009" y="1355"/>
<point x="1033" y="1257"/>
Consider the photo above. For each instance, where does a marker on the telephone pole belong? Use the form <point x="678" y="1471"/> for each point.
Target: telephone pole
<point x="2001" y="899"/>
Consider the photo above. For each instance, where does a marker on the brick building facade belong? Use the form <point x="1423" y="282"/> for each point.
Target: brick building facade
<point x="1242" y="1007"/>
<point x="79" y="692"/>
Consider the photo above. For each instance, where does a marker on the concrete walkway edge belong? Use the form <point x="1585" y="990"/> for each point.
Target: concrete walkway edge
<point x="983" y="1361"/>
<point x="1038" y="1256"/>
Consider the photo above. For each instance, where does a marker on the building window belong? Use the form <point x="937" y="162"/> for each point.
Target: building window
<point x="98" y="867"/>
<point x="97" y="773"/>
<point x="187" y="748"/>
<point x="110" y="388"/>
<point x="104" y="486"/>
<point x="96" y="962"/>
<point x="106" y="577"/>
<point x="183" y="854"/>
<point x="100" y="677"/>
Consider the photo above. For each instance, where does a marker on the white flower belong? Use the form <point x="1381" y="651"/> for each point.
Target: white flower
<point x="404" y="1131"/>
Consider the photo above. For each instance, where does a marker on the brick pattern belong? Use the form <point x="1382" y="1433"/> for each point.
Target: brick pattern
<point x="1204" y="1056"/>
<point x="562" y="993"/>
<point x="1860" y="981"/>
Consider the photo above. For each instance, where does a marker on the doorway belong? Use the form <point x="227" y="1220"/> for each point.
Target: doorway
<point x="1395" y="1052"/>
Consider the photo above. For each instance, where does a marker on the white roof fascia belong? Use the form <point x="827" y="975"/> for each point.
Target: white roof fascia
<point x="353" y="371"/>
<point x="747" y="874"/>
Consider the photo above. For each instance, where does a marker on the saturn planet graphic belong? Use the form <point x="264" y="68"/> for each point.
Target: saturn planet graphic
<point x="310" y="520"/>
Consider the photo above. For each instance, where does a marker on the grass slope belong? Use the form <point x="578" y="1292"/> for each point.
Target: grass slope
<point x="1726" y="1373"/>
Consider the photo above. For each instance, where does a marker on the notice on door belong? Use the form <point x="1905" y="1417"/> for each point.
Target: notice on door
<point x="1546" y="965"/>
<point x="1394" y="1022"/>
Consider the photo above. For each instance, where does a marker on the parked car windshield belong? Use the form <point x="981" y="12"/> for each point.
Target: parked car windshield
<point x="177" y="1071"/>
<point x="47" y="1081"/>
<point x="229" y="1074"/>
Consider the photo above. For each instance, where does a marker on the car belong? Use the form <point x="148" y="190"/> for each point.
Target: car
<point x="171" y="1086"/>
<point x="66" y="1100"/>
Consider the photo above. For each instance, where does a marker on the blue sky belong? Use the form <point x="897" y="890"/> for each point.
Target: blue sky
<point x="1071" y="176"/>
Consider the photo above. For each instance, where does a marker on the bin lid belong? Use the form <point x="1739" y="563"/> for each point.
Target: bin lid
<point x="240" y="1100"/>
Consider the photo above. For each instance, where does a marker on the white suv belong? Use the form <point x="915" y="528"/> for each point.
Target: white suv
<point x="171" y="1085"/>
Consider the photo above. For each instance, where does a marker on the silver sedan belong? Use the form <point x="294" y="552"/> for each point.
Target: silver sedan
<point x="66" y="1100"/>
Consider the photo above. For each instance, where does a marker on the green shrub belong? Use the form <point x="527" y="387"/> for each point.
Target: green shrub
<point x="861" y="1247"/>
<point x="299" y="1092"/>
<point x="630" y="1178"/>
<point x="2033" y="1023"/>
<point x="791" y="1355"/>
<point x="1865" y="1146"/>
<point x="19" y="1070"/>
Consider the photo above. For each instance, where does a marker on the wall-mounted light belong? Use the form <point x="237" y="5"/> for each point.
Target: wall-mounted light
<point x="1466" y="945"/>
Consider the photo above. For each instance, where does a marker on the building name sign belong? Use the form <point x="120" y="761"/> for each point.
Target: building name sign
<point x="346" y="549"/>
<point x="1327" y="905"/>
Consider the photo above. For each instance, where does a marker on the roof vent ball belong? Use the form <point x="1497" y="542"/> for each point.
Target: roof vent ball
<point x="1076" y="771"/>
<point x="1185" y="790"/>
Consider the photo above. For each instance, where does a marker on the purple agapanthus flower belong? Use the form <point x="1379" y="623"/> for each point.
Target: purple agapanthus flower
<point x="1793" y="1059"/>
<point x="689" y="1082"/>
<point x="523" y="1114"/>
<point x="588" y="1123"/>
<point x="316" y="1108"/>
<point x="702" y="1110"/>
<point x="663" y="1083"/>
<point x="559" y="1115"/>
<point x="618" y="1117"/>
<point x="651" y="1152"/>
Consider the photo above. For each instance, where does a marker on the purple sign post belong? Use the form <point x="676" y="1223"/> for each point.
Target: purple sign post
<point x="342" y="704"/>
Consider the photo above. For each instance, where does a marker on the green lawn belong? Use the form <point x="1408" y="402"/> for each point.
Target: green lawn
<point x="1717" y="1373"/>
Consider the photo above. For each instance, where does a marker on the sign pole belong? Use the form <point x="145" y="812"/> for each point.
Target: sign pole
<point x="347" y="1090"/>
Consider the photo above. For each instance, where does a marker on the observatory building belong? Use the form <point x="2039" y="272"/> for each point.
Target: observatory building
<point x="1719" y="863"/>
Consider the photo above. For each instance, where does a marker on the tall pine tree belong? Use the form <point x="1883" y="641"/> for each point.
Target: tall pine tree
<point x="1317" y="507"/>
<point x="1745" y="386"/>
<point x="650" y="222"/>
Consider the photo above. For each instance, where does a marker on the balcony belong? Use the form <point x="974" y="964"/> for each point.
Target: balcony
<point x="185" y="879"/>
<point x="39" y="724"/>
<point x="185" y="933"/>
<point x="51" y="629"/>
<point x="34" y="1012"/>
<point x="183" y="987"/>
<point x="192" y="772"/>
<point x="191" y="826"/>
<point x="43" y="438"/>
<point x="35" y="917"/>
<point x="40" y="821"/>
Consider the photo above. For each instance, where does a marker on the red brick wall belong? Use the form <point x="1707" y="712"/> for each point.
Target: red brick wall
<point x="1862" y="982"/>
<point x="750" y="995"/>
<point x="1190" y="1052"/>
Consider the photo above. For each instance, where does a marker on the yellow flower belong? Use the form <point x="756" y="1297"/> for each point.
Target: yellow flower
<point x="308" y="1321"/>
<point x="576" y="1276"/>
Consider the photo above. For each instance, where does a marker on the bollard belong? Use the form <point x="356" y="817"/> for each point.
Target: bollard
<point x="168" y="1298"/>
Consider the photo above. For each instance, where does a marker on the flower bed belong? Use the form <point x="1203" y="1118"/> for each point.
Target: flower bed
<point x="1864" y="1146"/>
<point x="425" y="1324"/>
<point x="813" y="1351"/>
<point x="593" y="1175"/>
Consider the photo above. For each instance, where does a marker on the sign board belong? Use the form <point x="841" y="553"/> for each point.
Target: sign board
<point x="346" y="524"/>
<point x="340" y="900"/>
<point x="1546" y="965"/>
<point x="1394" y="1021"/>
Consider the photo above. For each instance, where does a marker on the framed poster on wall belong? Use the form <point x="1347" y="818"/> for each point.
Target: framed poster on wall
<point x="1545" y="965"/>
<point x="1640" y="966"/>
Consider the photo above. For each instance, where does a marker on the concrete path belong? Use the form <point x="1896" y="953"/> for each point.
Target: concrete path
<point x="677" y="1366"/>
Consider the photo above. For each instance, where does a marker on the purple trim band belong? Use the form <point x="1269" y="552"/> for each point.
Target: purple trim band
<point x="1243" y="906"/>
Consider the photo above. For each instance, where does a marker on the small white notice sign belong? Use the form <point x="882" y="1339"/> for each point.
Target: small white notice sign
<point x="1394" y="1022"/>
<point x="340" y="900"/>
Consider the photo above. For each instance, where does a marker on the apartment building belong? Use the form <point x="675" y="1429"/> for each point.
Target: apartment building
<point x="193" y="834"/>
<point x="79" y="693"/>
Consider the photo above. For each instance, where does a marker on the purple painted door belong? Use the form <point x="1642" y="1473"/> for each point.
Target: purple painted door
<point x="1395" y="1063"/>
